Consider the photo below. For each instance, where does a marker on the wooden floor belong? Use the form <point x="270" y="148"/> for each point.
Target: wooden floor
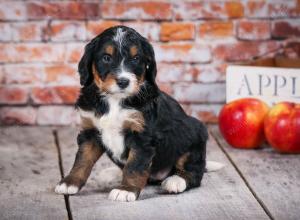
<point x="255" y="184"/>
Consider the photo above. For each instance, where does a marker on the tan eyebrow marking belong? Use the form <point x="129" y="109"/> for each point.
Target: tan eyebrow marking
<point x="133" y="51"/>
<point x="109" y="49"/>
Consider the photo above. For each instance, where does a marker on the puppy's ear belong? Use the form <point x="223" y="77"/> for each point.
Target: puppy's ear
<point x="150" y="63"/>
<point x="85" y="65"/>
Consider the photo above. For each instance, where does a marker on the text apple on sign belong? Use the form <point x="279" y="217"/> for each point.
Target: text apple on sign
<point x="271" y="84"/>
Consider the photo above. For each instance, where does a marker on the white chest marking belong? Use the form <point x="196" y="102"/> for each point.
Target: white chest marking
<point x="110" y="126"/>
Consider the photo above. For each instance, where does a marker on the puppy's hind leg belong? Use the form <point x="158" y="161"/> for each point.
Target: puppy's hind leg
<point x="88" y="153"/>
<point x="188" y="173"/>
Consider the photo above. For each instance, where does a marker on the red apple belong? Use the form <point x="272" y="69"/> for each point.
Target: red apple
<point x="241" y="122"/>
<point x="282" y="127"/>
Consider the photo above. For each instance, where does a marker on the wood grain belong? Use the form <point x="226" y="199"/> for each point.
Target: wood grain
<point x="223" y="194"/>
<point x="274" y="177"/>
<point x="28" y="172"/>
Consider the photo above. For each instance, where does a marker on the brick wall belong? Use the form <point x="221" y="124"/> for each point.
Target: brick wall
<point x="42" y="41"/>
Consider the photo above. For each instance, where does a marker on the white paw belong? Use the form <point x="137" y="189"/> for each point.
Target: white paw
<point x="64" y="189"/>
<point x="121" y="195"/>
<point x="174" y="184"/>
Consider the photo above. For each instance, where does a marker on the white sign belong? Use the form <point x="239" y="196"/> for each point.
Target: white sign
<point x="271" y="84"/>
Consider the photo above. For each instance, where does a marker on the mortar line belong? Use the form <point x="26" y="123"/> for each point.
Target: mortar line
<point x="260" y="202"/>
<point x="61" y="169"/>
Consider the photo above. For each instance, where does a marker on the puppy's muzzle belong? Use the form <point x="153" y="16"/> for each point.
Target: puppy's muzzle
<point x="122" y="82"/>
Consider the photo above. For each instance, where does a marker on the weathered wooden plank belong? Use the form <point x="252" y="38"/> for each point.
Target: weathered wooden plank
<point x="274" y="177"/>
<point x="28" y="171"/>
<point x="223" y="194"/>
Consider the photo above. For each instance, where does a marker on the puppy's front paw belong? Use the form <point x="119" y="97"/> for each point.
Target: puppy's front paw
<point x="122" y="195"/>
<point x="63" y="188"/>
<point x="174" y="184"/>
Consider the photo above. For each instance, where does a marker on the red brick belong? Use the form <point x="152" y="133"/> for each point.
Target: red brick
<point x="65" y="74"/>
<point x="201" y="10"/>
<point x="295" y="10"/>
<point x="244" y="51"/>
<point x="2" y="74"/>
<point x="29" y="31"/>
<point x="168" y="73"/>
<point x="166" y="87"/>
<point x="149" y="30"/>
<point x="216" y="29"/>
<point x="199" y="93"/>
<point x="68" y="94"/>
<point x="5" y="30"/>
<point x="172" y="31"/>
<point x="54" y="94"/>
<point x="256" y="9"/>
<point x="63" y="10"/>
<point x="24" y="74"/>
<point x="182" y="52"/>
<point x="292" y="49"/>
<point x="234" y="9"/>
<point x="269" y="9"/>
<point x="254" y="30"/>
<point x="96" y="27"/>
<point x="32" y="52"/>
<point x="56" y="115"/>
<point x="13" y="10"/>
<point x="208" y="73"/>
<point x="17" y="116"/>
<point x="283" y="9"/>
<point x="146" y="10"/>
<point x="13" y="95"/>
<point x="67" y="31"/>
<point x="74" y="52"/>
<point x="286" y="28"/>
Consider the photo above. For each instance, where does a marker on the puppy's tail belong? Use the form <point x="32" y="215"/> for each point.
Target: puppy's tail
<point x="212" y="166"/>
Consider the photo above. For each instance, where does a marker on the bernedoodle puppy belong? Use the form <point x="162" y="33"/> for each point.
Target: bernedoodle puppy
<point x="124" y="114"/>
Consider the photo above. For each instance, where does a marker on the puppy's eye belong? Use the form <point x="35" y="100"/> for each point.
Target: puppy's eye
<point x="106" y="58"/>
<point x="136" y="59"/>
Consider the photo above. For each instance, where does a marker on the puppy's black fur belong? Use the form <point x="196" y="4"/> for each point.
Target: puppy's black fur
<point x="169" y="141"/>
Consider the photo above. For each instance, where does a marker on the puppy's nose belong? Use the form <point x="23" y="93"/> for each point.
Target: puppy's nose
<point x="123" y="82"/>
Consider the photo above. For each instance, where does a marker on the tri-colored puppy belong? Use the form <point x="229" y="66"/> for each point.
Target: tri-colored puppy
<point x="142" y="129"/>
